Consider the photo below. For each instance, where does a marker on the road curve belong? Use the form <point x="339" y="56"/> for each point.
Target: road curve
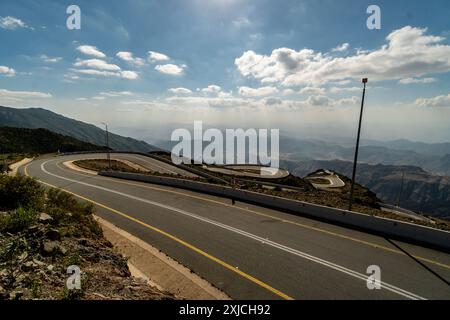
<point x="146" y="162"/>
<point x="251" y="252"/>
<point x="334" y="181"/>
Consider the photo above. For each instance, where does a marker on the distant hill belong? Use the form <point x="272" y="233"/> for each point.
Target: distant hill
<point x="436" y="149"/>
<point x="422" y="191"/>
<point x="434" y="158"/>
<point x="40" y="118"/>
<point x="40" y="141"/>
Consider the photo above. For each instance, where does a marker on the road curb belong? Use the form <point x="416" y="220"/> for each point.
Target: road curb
<point x="158" y="269"/>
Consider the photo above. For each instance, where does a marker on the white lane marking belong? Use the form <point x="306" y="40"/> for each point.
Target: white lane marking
<point x="296" y="252"/>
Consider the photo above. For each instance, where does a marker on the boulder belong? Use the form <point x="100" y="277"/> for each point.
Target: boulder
<point x="49" y="247"/>
<point x="44" y="217"/>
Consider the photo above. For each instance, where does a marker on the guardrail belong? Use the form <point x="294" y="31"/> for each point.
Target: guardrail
<point x="405" y="231"/>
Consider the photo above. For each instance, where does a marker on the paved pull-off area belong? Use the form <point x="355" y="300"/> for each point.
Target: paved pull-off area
<point x="251" y="252"/>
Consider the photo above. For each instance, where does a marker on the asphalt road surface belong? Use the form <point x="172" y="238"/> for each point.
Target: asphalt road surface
<point x="251" y="252"/>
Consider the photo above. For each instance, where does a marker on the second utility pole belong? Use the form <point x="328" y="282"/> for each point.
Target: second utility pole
<point x="355" y="161"/>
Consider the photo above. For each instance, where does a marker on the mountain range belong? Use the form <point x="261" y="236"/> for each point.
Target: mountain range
<point x="421" y="191"/>
<point x="35" y="118"/>
<point x="434" y="158"/>
<point x="40" y="141"/>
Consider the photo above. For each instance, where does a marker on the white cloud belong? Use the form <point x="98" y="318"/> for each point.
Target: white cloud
<point x="10" y="72"/>
<point x="311" y="103"/>
<point x="128" y="56"/>
<point x="347" y="101"/>
<point x="417" y="80"/>
<point x="214" y="89"/>
<point x="97" y="72"/>
<point x="50" y="59"/>
<point x="202" y="102"/>
<point x="269" y="80"/>
<point x="23" y="94"/>
<point x="343" y="47"/>
<point x="171" y="69"/>
<point x="113" y="94"/>
<point x="98" y="98"/>
<point x="312" y="90"/>
<point x="409" y="53"/>
<point x="131" y="75"/>
<point x="439" y="101"/>
<point x="180" y="90"/>
<point x="97" y="64"/>
<point x="252" y="92"/>
<point x="156" y="56"/>
<point x="344" y="89"/>
<point x="11" y="23"/>
<point x="91" y="51"/>
<point x="288" y="92"/>
<point x="319" y="101"/>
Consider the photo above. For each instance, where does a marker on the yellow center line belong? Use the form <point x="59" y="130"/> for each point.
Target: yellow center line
<point x="339" y="235"/>
<point x="180" y="241"/>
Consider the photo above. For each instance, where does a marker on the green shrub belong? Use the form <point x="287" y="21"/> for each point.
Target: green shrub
<point x="17" y="220"/>
<point x="20" y="191"/>
<point x="58" y="200"/>
<point x="60" y="204"/>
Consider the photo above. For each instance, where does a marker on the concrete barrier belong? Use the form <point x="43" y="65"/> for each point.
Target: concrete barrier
<point x="158" y="158"/>
<point x="405" y="231"/>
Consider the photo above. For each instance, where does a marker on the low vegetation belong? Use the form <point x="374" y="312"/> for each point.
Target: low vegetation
<point x="42" y="233"/>
<point x="103" y="165"/>
<point x="40" y="141"/>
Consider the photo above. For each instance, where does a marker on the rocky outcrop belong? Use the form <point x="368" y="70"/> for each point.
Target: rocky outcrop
<point x="34" y="264"/>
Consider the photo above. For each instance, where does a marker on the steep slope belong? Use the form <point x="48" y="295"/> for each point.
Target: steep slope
<point x="40" y="118"/>
<point x="22" y="140"/>
<point x="422" y="191"/>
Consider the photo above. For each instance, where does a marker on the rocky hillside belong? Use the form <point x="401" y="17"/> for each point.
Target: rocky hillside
<point x="40" y="118"/>
<point x="422" y="191"/>
<point x="40" y="141"/>
<point x="43" y="233"/>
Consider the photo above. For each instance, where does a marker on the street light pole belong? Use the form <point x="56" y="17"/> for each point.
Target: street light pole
<point x="355" y="160"/>
<point x="108" y="155"/>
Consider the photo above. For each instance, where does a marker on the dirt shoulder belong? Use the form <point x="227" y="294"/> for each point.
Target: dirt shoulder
<point x="15" y="166"/>
<point x="157" y="268"/>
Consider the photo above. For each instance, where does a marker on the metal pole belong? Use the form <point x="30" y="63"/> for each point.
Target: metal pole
<point x="355" y="161"/>
<point x="108" y="155"/>
<point x="107" y="145"/>
<point x="401" y="190"/>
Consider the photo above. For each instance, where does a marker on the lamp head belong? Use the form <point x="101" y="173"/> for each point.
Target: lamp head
<point x="365" y="80"/>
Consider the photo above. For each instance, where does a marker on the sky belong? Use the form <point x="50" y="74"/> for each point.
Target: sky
<point x="148" y="67"/>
